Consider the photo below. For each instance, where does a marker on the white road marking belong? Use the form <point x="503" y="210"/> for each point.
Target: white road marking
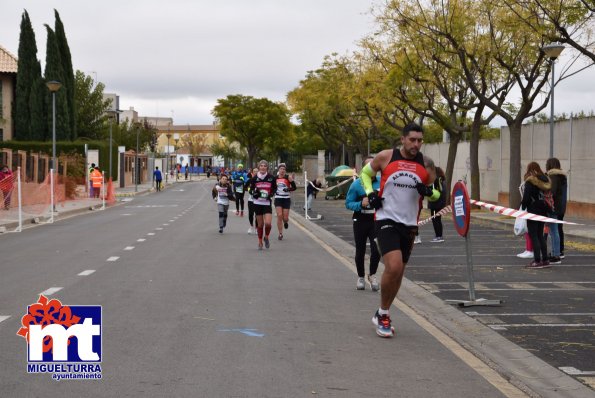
<point x="129" y="248"/>
<point x="141" y="240"/>
<point x="158" y="229"/>
<point x="473" y="313"/>
<point x="547" y="325"/>
<point x="126" y="214"/>
<point x="171" y="221"/>
<point x="4" y="317"/>
<point x="165" y="225"/>
<point x="87" y="272"/>
<point x="575" y="372"/>
<point x="113" y="258"/>
<point x="51" y="291"/>
<point x="151" y="234"/>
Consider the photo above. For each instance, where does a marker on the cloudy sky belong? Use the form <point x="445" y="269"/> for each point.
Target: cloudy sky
<point x="182" y="55"/>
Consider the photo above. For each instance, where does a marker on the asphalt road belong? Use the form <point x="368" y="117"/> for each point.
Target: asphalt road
<point x="191" y="312"/>
<point x="549" y="312"/>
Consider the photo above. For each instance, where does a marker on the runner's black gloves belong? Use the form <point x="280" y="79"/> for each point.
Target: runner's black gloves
<point x="256" y="193"/>
<point x="374" y="200"/>
<point x="423" y="189"/>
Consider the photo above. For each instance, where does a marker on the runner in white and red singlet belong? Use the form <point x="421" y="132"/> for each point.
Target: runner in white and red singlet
<point x="403" y="179"/>
<point x="285" y="185"/>
<point x="262" y="186"/>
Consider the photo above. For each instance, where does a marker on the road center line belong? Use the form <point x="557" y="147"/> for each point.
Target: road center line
<point x="4" y="317"/>
<point x="51" y="291"/>
<point x="113" y="258"/>
<point x="87" y="272"/>
<point x="129" y="248"/>
<point x="141" y="240"/>
<point x="151" y="234"/>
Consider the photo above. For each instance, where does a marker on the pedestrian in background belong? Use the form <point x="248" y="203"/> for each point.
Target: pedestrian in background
<point x="91" y="169"/>
<point x="222" y="193"/>
<point x="559" y="192"/>
<point x="186" y="171"/>
<point x="536" y="185"/>
<point x="6" y="185"/>
<point x="528" y="253"/>
<point x="436" y="206"/>
<point x="97" y="181"/>
<point x="357" y="201"/>
<point x="158" y="178"/>
<point x="311" y="192"/>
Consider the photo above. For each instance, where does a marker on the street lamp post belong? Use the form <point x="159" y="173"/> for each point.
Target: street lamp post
<point x="53" y="86"/>
<point x="136" y="168"/>
<point x="553" y="51"/>
<point x="112" y="114"/>
<point x="168" y="135"/>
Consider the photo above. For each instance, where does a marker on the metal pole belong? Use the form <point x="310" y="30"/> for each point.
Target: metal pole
<point x="552" y="113"/>
<point x="52" y="196"/>
<point x="103" y="189"/>
<point x="306" y="195"/>
<point x="54" y="165"/>
<point x="470" y="267"/>
<point x="167" y="161"/>
<point x="53" y="130"/>
<point x="110" y="148"/>
<point x="136" y="171"/>
<point x="20" y="199"/>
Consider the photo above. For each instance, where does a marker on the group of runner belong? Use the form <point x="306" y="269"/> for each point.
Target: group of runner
<point x="264" y="190"/>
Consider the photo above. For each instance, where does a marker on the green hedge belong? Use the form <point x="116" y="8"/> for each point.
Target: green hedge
<point x="66" y="147"/>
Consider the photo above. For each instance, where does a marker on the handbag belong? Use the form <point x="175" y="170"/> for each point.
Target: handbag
<point x="520" y="225"/>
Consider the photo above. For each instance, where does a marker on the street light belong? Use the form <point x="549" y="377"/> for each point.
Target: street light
<point x="54" y="86"/>
<point x="168" y="135"/>
<point x="113" y="114"/>
<point x="136" y="168"/>
<point x="553" y="51"/>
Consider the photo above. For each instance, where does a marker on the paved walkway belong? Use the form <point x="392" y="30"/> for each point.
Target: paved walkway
<point x="9" y="219"/>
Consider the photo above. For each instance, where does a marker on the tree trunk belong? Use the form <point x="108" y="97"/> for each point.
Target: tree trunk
<point x="452" y="155"/>
<point x="514" y="196"/>
<point x="474" y="158"/>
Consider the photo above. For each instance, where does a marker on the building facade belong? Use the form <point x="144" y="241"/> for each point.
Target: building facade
<point x="8" y="80"/>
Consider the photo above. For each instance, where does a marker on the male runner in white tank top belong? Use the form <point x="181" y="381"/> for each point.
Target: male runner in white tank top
<point x="404" y="178"/>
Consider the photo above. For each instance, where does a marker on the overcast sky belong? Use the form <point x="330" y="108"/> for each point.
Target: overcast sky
<point x="183" y="55"/>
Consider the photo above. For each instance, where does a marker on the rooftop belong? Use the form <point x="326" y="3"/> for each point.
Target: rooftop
<point x="8" y="62"/>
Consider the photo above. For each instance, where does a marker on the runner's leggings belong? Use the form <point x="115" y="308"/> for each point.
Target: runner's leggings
<point x="251" y="212"/>
<point x="222" y="215"/>
<point x="363" y="230"/>
<point x="437" y="223"/>
<point x="239" y="201"/>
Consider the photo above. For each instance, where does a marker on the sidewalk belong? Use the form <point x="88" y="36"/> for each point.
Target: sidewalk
<point x="9" y="219"/>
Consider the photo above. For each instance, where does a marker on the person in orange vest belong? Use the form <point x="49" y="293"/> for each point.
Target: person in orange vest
<point x="97" y="180"/>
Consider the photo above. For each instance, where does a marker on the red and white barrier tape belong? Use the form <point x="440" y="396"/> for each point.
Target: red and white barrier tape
<point x="519" y="213"/>
<point x="442" y="212"/>
<point x="506" y="211"/>
<point x="334" y="186"/>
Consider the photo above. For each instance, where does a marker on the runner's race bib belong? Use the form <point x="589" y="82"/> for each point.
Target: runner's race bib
<point x="240" y="189"/>
<point x="264" y="195"/>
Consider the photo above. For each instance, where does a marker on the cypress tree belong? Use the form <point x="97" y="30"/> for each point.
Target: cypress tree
<point x="26" y="77"/>
<point x="37" y="106"/>
<point x="53" y="71"/>
<point x="66" y="60"/>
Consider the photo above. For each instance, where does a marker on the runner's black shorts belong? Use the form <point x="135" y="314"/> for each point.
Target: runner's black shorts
<point x="283" y="202"/>
<point x="392" y="235"/>
<point x="260" y="210"/>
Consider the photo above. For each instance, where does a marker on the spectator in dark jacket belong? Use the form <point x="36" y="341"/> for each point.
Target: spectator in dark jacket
<point x="559" y="191"/>
<point x="439" y="204"/>
<point x="536" y="184"/>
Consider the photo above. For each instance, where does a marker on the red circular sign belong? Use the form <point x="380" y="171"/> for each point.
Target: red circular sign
<point x="461" y="208"/>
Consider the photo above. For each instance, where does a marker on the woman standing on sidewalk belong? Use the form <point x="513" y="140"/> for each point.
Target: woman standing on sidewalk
<point x="559" y="189"/>
<point x="528" y="253"/>
<point x="6" y="185"/>
<point x="536" y="184"/>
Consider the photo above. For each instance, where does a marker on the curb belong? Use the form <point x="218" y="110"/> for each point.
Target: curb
<point x="517" y="365"/>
